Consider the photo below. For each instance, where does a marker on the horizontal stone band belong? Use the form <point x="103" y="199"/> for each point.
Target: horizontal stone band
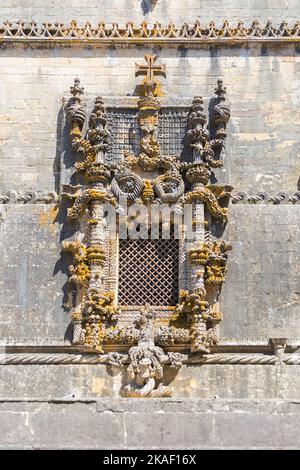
<point x="185" y="34"/>
<point x="280" y="198"/>
<point x="35" y="197"/>
<point x="93" y="359"/>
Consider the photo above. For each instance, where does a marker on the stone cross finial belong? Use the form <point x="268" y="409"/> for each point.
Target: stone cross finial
<point x="76" y="89"/>
<point x="150" y="70"/>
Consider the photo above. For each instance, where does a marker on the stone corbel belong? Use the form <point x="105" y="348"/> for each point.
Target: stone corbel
<point x="146" y="361"/>
<point x="279" y="346"/>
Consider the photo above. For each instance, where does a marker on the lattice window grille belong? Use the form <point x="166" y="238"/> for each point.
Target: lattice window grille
<point x="172" y="131"/>
<point x="125" y="133"/>
<point x="148" y="272"/>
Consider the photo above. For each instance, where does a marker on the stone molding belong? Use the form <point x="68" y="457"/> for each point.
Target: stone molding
<point x="265" y="198"/>
<point x="28" y="197"/>
<point x="183" y="35"/>
<point x="108" y="359"/>
<point x="36" y="197"/>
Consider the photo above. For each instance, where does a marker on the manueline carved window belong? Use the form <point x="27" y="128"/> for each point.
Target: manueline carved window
<point x="145" y="293"/>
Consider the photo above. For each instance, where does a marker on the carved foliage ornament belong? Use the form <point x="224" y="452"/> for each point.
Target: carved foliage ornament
<point x="145" y="178"/>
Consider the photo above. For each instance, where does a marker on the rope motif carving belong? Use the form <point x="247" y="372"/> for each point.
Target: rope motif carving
<point x="28" y="197"/>
<point x="110" y="358"/>
<point x="35" y="197"/>
<point x="280" y="198"/>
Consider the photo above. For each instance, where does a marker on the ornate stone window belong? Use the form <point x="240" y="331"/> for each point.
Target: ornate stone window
<point x="139" y="292"/>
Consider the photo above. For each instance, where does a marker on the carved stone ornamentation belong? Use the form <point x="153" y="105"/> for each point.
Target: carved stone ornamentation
<point x="169" y="186"/>
<point x="207" y="258"/>
<point x="197" y="307"/>
<point x="96" y="309"/>
<point x="145" y="369"/>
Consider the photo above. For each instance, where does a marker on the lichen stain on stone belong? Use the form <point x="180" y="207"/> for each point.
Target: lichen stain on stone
<point x="47" y="219"/>
<point x="98" y="385"/>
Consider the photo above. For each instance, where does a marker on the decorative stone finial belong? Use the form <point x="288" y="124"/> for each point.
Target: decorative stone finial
<point x="150" y="69"/>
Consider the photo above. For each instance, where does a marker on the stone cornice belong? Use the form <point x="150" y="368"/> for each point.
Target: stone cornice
<point x="189" y="35"/>
<point x="52" y="197"/>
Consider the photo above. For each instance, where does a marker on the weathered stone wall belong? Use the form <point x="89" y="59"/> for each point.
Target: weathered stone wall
<point x="262" y="156"/>
<point x="79" y="382"/>
<point x="260" y="298"/>
<point x="154" y="424"/>
<point x="262" y="84"/>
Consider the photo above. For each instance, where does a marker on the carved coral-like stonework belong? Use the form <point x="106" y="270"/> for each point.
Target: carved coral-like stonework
<point x="146" y="178"/>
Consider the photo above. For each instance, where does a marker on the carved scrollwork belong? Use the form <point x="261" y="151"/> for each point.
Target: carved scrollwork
<point x="195" y="309"/>
<point x="80" y="272"/>
<point x="82" y="199"/>
<point x="98" y="313"/>
<point x="204" y="194"/>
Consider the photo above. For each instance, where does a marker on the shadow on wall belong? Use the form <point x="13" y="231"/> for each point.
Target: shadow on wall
<point x="64" y="156"/>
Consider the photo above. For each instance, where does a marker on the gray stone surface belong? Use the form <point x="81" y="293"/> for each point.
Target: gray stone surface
<point x="32" y="276"/>
<point x="261" y="294"/>
<point x="151" y="424"/>
<point x="138" y="10"/>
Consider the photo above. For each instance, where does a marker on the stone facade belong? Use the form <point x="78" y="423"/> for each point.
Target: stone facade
<point x="251" y="375"/>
